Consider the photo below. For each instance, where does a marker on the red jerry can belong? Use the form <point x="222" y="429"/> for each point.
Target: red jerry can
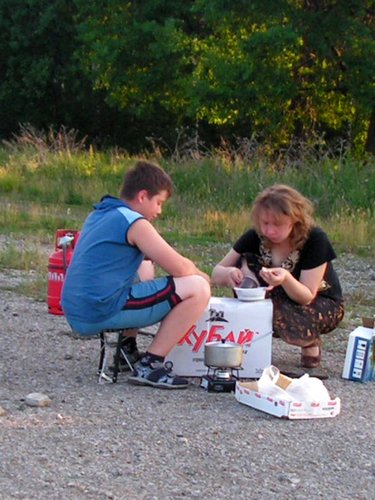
<point x="58" y="262"/>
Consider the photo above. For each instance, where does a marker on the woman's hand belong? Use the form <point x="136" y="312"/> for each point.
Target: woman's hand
<point x="274" y="276"/>
<point x="229" y="276"/>
<point x="303" y="290"/>
<point x="233" y="276"/>
<point x="226" y="273"/>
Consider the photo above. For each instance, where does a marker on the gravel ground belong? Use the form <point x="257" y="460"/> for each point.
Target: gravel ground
<point x="118" y="441"/>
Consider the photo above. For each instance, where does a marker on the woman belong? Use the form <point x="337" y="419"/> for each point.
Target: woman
<point x="289" y="254"/>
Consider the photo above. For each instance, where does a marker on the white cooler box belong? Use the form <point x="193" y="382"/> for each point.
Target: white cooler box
<point x="360" y="355"/>
<point x="247" y="323"/>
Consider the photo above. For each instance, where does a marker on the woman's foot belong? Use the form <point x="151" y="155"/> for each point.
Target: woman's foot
<point x="311" y="356"/>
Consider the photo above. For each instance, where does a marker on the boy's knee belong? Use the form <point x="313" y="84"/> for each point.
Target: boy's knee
<point x="193" y="286"/>
<point x="201" y="288"/>
<point x="204" y="287"/>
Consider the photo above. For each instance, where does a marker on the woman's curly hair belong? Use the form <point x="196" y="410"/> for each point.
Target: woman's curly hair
<point x="281" y="199"/>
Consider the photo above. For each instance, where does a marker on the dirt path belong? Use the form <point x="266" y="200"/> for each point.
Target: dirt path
<point x="125" y="442"/>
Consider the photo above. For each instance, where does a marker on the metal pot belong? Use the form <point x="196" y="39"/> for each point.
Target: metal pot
<point x="223" y="354"/>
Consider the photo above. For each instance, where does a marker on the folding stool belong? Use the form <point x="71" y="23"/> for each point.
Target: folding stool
<point x="111" y="339"/>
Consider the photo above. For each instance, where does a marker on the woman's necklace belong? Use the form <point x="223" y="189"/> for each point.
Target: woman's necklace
<point x="286" y="259"/>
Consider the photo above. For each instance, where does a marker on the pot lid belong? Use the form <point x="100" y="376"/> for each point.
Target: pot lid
<point x="222" y="344"/>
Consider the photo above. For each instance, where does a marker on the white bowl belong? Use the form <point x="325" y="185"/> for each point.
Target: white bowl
<point x="248" y="294"/>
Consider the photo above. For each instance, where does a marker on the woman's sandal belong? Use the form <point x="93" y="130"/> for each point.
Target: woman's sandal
<point x="311" y="361"/>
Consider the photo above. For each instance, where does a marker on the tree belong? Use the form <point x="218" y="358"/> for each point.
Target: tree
<point x="276" y="69"/>
<point x="42" y="82"/>
<point x="286" y="68"/>
<point x="138" y="53"/>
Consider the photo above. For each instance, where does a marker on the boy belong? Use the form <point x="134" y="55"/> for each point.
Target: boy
<point x="100" y="290"/>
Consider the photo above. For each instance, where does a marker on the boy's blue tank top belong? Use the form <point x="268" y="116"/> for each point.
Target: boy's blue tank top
<point x="104" y="264"/>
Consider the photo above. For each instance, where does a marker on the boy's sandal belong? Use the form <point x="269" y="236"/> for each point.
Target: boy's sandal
<point x="311" y="361"/>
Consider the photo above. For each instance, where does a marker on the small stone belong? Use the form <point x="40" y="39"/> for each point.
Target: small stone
<point x="2" y="412"/>
<point x="38" y="399"/>
<point x="289" y="478"/>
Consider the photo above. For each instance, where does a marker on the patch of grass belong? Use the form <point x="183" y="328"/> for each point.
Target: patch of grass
<point x="35" y="287"/>
<point x="26" y="259"/>
<point x="46" y="183"/>
<point x="60" y="177"/>
<point x="28" y="218"/>
<point x="361" y="298"/>
<point x="352" y="231"/>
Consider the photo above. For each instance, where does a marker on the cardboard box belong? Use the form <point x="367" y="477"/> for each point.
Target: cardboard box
<point x="248" y="394"/>
<point x="247" y="323"/>
<point x="360" y="355"/>
<point x="368" y="322"/>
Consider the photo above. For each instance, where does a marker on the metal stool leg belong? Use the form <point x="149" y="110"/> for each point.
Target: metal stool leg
<point x="104" y="356"/>
<point x="117" y="358"/>
<point x="103" y="361"/>
<point x="102" y="352"/>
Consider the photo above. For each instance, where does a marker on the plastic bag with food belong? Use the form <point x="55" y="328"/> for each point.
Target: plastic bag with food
<point x="303" y="389"/>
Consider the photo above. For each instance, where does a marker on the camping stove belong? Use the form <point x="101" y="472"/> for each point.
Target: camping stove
<point x="220" y="379"/>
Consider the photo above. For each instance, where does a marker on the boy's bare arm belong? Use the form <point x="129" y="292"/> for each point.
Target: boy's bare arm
<point x="144" y="236"/>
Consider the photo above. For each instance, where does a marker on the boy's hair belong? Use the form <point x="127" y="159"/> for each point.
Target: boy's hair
<point x="148" y="176"/>
<point x="284" y="200"/>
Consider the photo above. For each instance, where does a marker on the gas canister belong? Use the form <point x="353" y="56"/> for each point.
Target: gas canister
<point x="58" y="262"/>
